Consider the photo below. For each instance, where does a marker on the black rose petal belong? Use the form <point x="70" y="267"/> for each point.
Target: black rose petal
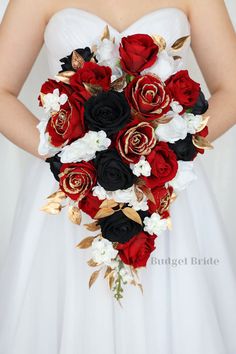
<point x="108" y="111"/>
<point x="112" y="172"/>
<point x="184" y="149"/>
<point x="201" y="105"/>
<point x="84" y="52"/>
<point x="119" y="228"/>
<point x="55" y="165"/>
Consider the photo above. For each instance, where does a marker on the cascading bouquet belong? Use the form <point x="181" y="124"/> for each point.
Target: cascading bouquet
<point x="123" y="126"/>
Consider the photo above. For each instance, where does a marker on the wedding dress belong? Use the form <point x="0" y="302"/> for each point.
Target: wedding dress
<point x="189" y="299"/>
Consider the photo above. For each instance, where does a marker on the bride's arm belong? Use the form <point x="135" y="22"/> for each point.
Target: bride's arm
<point x="21" y="38"/>
<point x="214" y="45"/>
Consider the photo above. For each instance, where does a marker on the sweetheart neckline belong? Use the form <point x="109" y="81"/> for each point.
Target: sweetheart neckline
<point x="93" y="15"/>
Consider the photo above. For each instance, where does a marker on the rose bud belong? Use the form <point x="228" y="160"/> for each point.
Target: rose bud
<point x="137" y="250"/>
<point x="112" y="172"/>
<point x="183" y="89"/>
<point x="77" y="179"/>
<point x="107" y="111"/>
<point x="148" y="97"/>
<point x="137" y="52"/>
<point x="119" y="228"/>
<point x="135" y="140"/>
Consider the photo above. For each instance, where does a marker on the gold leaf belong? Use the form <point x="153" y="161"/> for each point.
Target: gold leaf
<point x="140" y="287"/>
<point x="65" y="76"/>
<point x="92" y="263"/>
<point x="104" y="212"/>
<point x="169" y="223"/>
<point x="173" y="197"/>
<point x="108" y="271"/>
<point x="162" y="120"/>
<point x="86" y="242"/>
<point x="108" y="203"/>
<point x="133" y="282"/>
<point x="93" y="277"/>
<point x="52" y="208"/>
<point x="179" y="43"/>
<point x="203" y="123"/>
<point x="138" y="193"/>
<point x="57" y="196"/>
<point x="159" y="41"/>
<point x="77" y="60"/>
<point x="92" y="88"/>
<point x="111" y="280"/>
<point x="176" y="57"/>
<point x="148" y="193"/>
<point x="74" y="214"/>
<point x="42" y="97"/>
<point x="132" y="214"/>
<point x="119" y="83"/>
<point x="106" y="33"/>
<point x="93" y="226"/>
<point x="201" y="142"/>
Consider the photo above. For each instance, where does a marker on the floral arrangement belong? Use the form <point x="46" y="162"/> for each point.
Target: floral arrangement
<point x="123" y="125"/>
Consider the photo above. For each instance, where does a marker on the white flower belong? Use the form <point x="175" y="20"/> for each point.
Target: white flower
<point x="103" y="251"/>
<point x="185" y="175"/>
<point x="141" y="168"/>
<point x="176" y="107"/>
<point x="107" y="54"/>
<point x="154" y="224"/>
<point x="85" y="148"/>
<point x="193" y="122"/>
<point x="100" y="192"/>
<point x="44" y="147"/>
<point x="53" y="101"/>
<point x="164" y="66"/>
<point x="175" y="130"/>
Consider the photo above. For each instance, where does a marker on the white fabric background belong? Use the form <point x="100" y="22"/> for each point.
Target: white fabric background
<point x="220" y="163"/>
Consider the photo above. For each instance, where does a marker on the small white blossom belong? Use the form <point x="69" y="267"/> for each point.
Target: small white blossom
<point x="193" y="122"/>
<point x="85" y="148"/>
<point x="103" y="251"/>
<point x="175" y="130"/>
<point x="154" y="224"/>
<point x="99" y="192"/>
<point x="185" y="175"/>
<point x="141" y="168"/>
<point x="176" y="107"/>
<point x="53" y="101"/>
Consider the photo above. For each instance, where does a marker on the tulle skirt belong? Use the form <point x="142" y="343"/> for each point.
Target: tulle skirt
<point x="189" y="299"/>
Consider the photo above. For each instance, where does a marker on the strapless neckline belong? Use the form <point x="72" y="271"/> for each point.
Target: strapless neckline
<point x="100" y="19"/>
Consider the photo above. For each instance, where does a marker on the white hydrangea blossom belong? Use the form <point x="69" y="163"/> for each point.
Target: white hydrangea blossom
<point x="85" y="148"/>
<point x="175" y="130"/>
<point x="122" y="196"/>
<point x="185" y="175"/>
<point x="53" y="101"/>
<point x="44" y="147"/>
<point x="104" y="252"/>
<point x="154" y="224"/>
<point x="141" y="168"/>
<point x="193" y="122"/>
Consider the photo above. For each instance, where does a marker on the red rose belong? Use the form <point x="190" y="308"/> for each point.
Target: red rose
<point x="164" y="165"/>
<point x="148" y="96"/>
<point x="137" y="52"/>
<point x="50" y="85"/>
<point x="91" y="73"/>
<point x="135" y="140"/>
<point x="162" y="198"/>
<point x="183" y="88"/>
<point x="90" y="205"/>
<point x="77" y="179"/>
<point x="137" y="250"/>
<point x="66" y="125"/>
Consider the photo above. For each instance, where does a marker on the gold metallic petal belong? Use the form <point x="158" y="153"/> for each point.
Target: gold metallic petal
<point x="92" y="89"/>
<point x="93" y="277"/>
<point x="179" y="43"/>
<point x="132" y="214"/>
<point x="119" y="83"/>
<point x="74" y="214"/>
<point x="92" y="263"/>
<point x="201" y="142"/>
<point x="52" y="208"/>
<point x="108" y="203"/>
<point x="77" y="60"/>
<point x="104" y="212"/>
<point x="106" y="33"/>
<point x="93" y="226"/>
<point x="159" y="41"/>
<point x="203" y="123"/>
<point x="86" y="242"/>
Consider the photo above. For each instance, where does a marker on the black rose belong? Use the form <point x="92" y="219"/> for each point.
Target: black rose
<point x="112" y="172"/>
<point x="184" y="149"/>
<point x="201" y="105"/>
<point x="55" y="165"/>
<point x="108" y="111"/>
<point x="119" y="228"/>
<point x="85" y="53"/>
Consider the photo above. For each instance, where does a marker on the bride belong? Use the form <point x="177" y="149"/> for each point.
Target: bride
<point x="189" y="299"/>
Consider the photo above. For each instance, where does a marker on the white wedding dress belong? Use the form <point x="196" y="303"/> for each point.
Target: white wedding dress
<point x="46" y="306"/>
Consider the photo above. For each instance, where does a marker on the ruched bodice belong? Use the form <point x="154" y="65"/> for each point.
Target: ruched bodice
<point x="72" y="28"/>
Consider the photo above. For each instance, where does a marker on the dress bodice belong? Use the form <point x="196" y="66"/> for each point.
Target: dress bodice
<point x="72" y="28"/>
